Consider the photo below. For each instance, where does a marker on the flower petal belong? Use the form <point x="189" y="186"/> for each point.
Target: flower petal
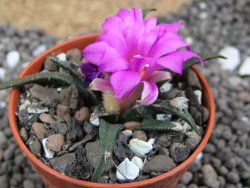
<point x="158" y="76"/>
<point x="169" y="27"/>
<point x="99" y="84"/>
<point x="95" y="52"/>
<point x="150" y="24"/>
<point x="146" y="42"/>
<point x="90" y="72"/>
<point x="115" y="39"/>
<point x="124" y="82"/>
<point x="167" y="43"/>
<point x="112" y="62"/>
<point x="149" y="93"/>
<point x="174" y="61"/>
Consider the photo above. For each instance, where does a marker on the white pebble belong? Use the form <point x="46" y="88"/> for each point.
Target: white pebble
<point x="198" y="94"/>
<point x="127" y="170"/>
<point x="37" y="109"/>
<point x="180" y="103"/>
<point x="163" y="117"/>
<point x="186" y="127"/>
<point x="203" y="15"/>
<point x="202" y="5"/>
<point x="127" y="133"/>
<point x="39" y="50"/>
<point x="24" y="105"/>
<point x="2" y="104"/>
<point x="151" y="141"/>
<point x="178" y="126"/>
<point x="138" y="162"/>
<point x="189" y="40"/>
<point x="233" y="58"/>
<point x="2" y="73"/>
<point x="140" y="147"/>
<point x="12" y="59"/>
<point x="199" y="156"/>
<point x="166" y="87"/>
<point x="62" y="57"/>
<point x="49" y="154"/>
<point x="94" y="120"/>
<point x="244" y="69"/>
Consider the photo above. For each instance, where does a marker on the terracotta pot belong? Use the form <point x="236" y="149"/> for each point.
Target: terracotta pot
<point x="55" y="179"/>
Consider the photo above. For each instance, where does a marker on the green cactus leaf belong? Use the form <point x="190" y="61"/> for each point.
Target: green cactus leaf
<point x="205" y="57"/>
<point x="69" y="67"/>
<point x="156" y="125"/>
<point x="146" y="11"/>
<point x="50" y="77"/>
<point x="107" y="133"/>
<point x="165" y="108"/>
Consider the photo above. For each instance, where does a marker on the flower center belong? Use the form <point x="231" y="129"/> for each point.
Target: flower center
<point x="144" y="70"/>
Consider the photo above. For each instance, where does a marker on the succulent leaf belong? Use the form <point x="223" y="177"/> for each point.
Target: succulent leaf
<point x="205" y="57"/>
<point x="146" y="11"/>
<point x="156" y="125"/>
<point x="51" y="77"/>
<point x="107" y="133"/>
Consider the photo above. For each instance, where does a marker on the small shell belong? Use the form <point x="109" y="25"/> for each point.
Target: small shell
<point x="151" y="141"/>
<point x="140" y="147"/>
<point x="138" y="162"/>
<point x="127" y="170"/>
<point x="49" y="154"/>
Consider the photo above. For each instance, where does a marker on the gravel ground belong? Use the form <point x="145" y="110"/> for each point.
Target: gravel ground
<point x="210" y="26"/>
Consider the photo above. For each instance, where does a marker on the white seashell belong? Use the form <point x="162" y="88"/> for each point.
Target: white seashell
<point x="166" y="87"/>
<point x="62" y="57"/>
<point x="180" y="103"/>
<point x="94" y="120"/>
<point x="138" y="162"/>
<point x="127" y="170"/>
<point x="178" y="126"/>
<point x="127" y="133"/>
<point x="163" y="117"/>
<point x="151" y="141"/>
<point x="140" y="147"/>
<point x="48" y="153"/>
<point x="244" y="69"/>
<point x="198" y="94"/>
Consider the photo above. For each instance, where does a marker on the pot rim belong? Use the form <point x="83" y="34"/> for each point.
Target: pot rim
<point x="13" y="124"/>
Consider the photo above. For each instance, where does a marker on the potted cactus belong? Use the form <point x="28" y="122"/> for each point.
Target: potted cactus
<point x="131" y="110"/>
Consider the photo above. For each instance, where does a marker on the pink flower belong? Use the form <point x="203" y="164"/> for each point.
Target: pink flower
<point x="132" y="52"/>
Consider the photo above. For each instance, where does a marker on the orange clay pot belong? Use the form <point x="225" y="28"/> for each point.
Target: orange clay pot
<point x="54" y="179"/>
